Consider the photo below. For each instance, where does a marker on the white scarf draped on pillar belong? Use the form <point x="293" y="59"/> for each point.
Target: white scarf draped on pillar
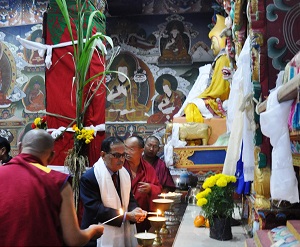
<point x="274" y="124"/>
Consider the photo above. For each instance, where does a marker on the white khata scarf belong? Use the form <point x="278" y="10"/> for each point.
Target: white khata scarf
<point x="274" y="124"/>
<point x="115" y="236"/>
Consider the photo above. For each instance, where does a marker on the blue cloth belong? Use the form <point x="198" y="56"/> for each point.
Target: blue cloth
<point x="242" y="187"/>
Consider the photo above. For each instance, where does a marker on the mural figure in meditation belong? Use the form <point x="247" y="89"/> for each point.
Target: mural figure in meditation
<point x="36" y="98"/>
<point x="123" y="95"/>
<point x="175" y="45"/>
<point x="169" y="101"/>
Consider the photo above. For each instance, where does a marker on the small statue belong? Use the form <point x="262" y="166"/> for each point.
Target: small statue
<point x="218" y="87"/>
<point x="261" y="183"/>
<point x="192" y="133"/>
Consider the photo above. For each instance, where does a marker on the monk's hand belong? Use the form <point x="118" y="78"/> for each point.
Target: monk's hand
<point x="136" y="215"/>
<point x="97" y="231"/>
<point x="144" y="187"/>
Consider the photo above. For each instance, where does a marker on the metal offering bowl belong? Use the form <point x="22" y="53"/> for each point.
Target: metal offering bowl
<point x="145" y="239"/>
<point x="157" y="222"/>
<point x="163" y="204"/>
<point x="171" y="195"/>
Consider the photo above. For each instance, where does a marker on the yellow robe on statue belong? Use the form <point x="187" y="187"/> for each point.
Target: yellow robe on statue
<point x="218" y="88"/>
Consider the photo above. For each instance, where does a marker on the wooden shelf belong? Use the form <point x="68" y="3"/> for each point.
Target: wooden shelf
<point x="287" y="92"/>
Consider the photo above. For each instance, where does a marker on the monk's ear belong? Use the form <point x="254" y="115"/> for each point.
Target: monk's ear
<point x="20" y="147"/>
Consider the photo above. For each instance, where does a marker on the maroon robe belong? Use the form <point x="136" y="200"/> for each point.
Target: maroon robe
<point x="147" y="174"/>
<point x="30" y="203"/>
<point x="164" y="175"/>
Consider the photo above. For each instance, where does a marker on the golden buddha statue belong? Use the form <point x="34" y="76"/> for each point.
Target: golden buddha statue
<point x="218" y="90"/>
<point x="261" y="183"/>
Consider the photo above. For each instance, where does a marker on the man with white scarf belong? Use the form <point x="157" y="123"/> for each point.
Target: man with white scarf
<point x="102" y="199"/>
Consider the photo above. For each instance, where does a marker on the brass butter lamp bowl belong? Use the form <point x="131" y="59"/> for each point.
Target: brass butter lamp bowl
<point x="172" y="213"/>
<point x="157" y="222"/>
<point x="145" y="239"/>
<point x="163" y="204"/>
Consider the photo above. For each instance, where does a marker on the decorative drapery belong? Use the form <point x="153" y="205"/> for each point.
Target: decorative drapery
<point x="60" y="91"/>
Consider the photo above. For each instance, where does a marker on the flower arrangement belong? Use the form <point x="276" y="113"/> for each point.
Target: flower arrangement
<point x="216" y="199"/>
<point x="39" y="123"/>
<point x="85" y="135"/>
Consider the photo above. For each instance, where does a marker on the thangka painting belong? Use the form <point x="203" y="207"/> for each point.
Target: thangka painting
<point x="283" y="34"/>
<point x="161" y="57"/>
<point x="22" y="81"/>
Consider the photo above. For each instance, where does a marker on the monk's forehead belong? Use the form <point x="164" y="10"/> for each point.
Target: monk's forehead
<point x="119" y="145"/>
<point x="132" y="142"/>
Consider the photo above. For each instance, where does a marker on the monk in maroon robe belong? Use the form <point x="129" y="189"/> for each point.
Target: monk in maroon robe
<point x="144" y="182"/>
<point x="37" y="207"/>
<point x="163" y="173"/>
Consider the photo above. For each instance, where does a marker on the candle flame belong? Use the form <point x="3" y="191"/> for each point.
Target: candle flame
<point x="158" y="212"/>
<point x="121" y="211"/>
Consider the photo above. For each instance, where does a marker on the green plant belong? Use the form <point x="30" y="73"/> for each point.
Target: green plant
<point x="216" y="199"/>
<point x="86" y="42"/>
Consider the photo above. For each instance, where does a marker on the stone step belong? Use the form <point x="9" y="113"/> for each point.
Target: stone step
<point x="294" y="228"/>
<point x="262" y="238"/>
<point x="289" y="234"/>
<point x="250" y="242"/>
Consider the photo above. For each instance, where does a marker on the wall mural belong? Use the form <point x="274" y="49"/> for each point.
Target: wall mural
<point x="160" y="53"/>
<point x="22" y="12"/>
<point x="175" y="6"/>
<point x="161" y="57"/>
<point x="22" y="82"/>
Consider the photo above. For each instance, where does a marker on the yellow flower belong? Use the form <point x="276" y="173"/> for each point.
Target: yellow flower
<point x="217" y="197"/>
<point x="200" y="195"/>
<point x="207" y="191"/>
<point x="233" y="179"/>
<point x="222" y="182"/>
<point x="209" y="182"/>
<point x="84" y="134"/>
<point x="37" y="121"/>
<point x="201" y="202"/>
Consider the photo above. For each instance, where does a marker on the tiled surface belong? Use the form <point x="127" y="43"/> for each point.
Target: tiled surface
<point x="190" y="236"/>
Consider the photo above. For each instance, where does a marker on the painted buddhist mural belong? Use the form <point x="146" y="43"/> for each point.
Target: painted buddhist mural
<point x="22" y="78"/>
<point x="161" y="57"/>
<point x="162" y="45"/>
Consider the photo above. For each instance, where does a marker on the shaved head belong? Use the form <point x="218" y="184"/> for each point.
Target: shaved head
<point x="37" y="142"/>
